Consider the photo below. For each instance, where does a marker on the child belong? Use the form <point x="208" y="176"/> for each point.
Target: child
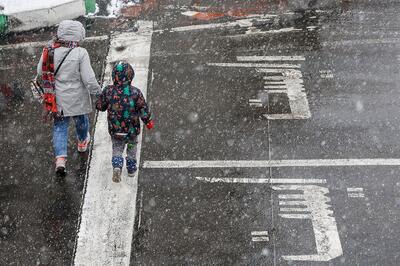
<point x="125" y="104"/>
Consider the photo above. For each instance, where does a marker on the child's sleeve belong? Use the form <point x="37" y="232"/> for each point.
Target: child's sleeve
<point x="143" y="109"/>
<point x="102" y="101"/>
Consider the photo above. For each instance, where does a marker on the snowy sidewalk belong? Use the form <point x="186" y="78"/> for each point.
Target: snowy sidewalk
<point x="108" y="212"/>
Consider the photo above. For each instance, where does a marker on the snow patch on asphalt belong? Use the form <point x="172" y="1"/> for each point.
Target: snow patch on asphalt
<point x="115" y="6"/>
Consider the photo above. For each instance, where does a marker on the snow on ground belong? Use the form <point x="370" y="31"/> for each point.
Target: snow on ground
<point x="115" y="6"/>
<point x="11" y="7"/>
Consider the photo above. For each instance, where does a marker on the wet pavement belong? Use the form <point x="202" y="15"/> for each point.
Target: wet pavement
<point x="38" y="214"/>
<point x="348" y="74"/>
<point x="306" y="85"/>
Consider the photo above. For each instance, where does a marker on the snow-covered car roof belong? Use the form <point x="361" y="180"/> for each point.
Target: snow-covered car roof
<point x="10" y="6"/>
<point x="30" y="14"/>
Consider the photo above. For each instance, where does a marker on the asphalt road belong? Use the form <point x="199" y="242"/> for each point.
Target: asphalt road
<point x="310" y="91"/>
<point x="209" y="214"/>
<point x="38" y="215"/>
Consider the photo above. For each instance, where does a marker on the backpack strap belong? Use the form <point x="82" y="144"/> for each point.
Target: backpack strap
<point x="62" y="61"/>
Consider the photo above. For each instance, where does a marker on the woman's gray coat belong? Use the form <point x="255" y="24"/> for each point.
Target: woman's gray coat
<point x="75" y="80"/>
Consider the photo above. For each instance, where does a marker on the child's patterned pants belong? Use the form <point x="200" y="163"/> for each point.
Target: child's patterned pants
<point x="118" y="147"/>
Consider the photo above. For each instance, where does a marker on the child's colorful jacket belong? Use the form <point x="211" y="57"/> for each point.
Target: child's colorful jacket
<point x="124" y="103"/>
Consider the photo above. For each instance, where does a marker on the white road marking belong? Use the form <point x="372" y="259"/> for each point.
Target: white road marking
<point x="291" y="202"/>
<point x="356" y="195"/>
<point x="355" y="192"/>
<point x="326" y="74"/>
<point x="286" y="117"/>
<point x="290" y="78"/>
<point x="205" y="9"/>
<point x="315" y="205"/>
<point x="261" y="180"/>
<point x="254" y="65"/>
<point x="270" y="58"/>
<point x="294" y="210"/>
<point x="278" y="86"/>
<point x="259" y="233"/>
<point x="274" y="71"/>
<point x="290" y="196"/>
<point x="293" y="80"/>
<point x="255" y="103"/>
<point x="362" y="42"/>
<point x="273" y="78"/>
<point x="42" y="44"/>
<point x="355" y="189"/>
<point x="318" y="206"/>
<point x="260" y="236"/>
<point x="140" y="209"/>
<point x="296" y="216"/>
<point x="108" y="212"/>
<point x="272" y="163"/>
<point x="276" y="91"/>
<point x="255" y="31"/>
<point x="260" y="239"/>
<point x="242" y="23"/>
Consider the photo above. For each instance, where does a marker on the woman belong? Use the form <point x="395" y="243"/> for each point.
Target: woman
<point x="66" y="73"/>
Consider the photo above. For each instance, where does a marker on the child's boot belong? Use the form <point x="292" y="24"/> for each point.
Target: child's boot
<point x="60" y="166"/>
<point x="131" y="166"/>
<point x="117" y="163"/>
<point x="116" y="175"/>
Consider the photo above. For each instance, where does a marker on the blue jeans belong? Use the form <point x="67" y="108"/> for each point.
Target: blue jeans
<point x="60" y="133"/>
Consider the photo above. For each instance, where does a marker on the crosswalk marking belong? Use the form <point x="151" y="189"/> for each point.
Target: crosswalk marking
<point x="271" y="58"/>
<point x="326" y="74"/>
<point x="260" y="239"/>
<point x="355" y="192"/>
<point x="255" y="65"/>
<point x="260" y="236"/>
<point x="278" y="75"/>
<point x="312" y="203"/>
<point x="275" y="91"/>
<point x="273" y="163"/>
<point x="255" y="103"/>
<point x="262" y="180"/>
<point x="108" y="211"/>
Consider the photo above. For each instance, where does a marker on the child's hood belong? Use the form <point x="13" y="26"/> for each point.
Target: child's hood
<point x="122" y="74"/>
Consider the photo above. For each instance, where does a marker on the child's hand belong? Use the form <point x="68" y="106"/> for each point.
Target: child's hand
<point x="150" y="124"/>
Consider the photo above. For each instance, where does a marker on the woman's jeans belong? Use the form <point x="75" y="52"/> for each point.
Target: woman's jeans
<point x="60" y="132"/>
